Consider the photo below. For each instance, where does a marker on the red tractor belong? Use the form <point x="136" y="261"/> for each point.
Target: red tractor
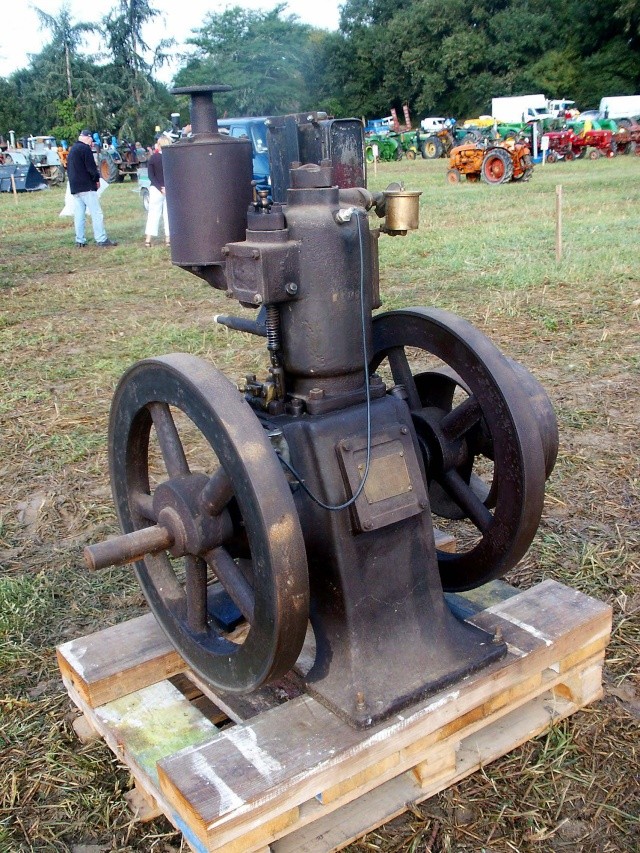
<point x="493" y="163"/>
<point x="568" y="145"/>
<point x="627" y="139"/>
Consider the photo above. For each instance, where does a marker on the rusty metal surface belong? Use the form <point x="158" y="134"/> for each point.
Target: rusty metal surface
<point x="346" y="537"/>
<point x="496" y="422"/>
<point x="384" y="635"/>
<point x="261" y="512"/>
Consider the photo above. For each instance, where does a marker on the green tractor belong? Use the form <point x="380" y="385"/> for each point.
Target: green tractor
<point x="388" y="148"/>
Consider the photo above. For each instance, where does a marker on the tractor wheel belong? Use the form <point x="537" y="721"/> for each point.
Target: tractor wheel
<point x="526" y="165"/>
<point x="594" y="154"/>
<point x="497" y="167"/>
<point x="108" y="168"/>
<point x="569" y="156"/>
<point x="472" y="136"/>
<point x="453" y="176"/>
<point x="410" y="154"/>
<point x="431" y="148"/>
<point x="624" y="122"/>
<point x="552" y="157"/>
<point x="57" y="176"/>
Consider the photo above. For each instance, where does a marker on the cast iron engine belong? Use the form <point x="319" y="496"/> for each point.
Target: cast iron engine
<point x="307" y="496"/>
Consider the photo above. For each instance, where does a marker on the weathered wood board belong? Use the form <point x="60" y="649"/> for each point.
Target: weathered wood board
<point x="282" y="772"/>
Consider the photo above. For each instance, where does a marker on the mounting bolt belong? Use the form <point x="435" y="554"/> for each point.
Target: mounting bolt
<point x="497" y="637"/>
<point x="224" y="251"/>
<point x="316" y="393"/>
<point x="360" y="700"/>
<point x="346" y="445"/>
<point x="291" y="288"/>
<point x="404" y="430"/>
<point x="257" y="299"/>
<point x="368" y="525"/>
<point x="423" y="504"/>
<point x="255" y="254"/>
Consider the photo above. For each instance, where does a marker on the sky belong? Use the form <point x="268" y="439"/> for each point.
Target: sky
<point x="24" y="36"/>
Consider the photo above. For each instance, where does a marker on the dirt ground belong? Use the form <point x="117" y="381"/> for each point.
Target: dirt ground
<point x="70" y="325"/>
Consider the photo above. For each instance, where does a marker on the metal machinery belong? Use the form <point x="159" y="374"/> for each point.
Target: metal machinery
<point x="491" y="162"/>
<point x="309" y="495"/>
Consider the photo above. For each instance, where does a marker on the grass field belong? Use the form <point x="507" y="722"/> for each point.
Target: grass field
<point x="71" y="321"/>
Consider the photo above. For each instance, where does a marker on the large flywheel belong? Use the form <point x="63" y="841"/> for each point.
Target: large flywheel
<point x="488" y="439"/>
<point x="210" y="521"/>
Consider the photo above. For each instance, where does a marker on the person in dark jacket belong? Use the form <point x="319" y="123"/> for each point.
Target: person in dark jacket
<point x="84" y="181"/>
<point x="157" y="195"/>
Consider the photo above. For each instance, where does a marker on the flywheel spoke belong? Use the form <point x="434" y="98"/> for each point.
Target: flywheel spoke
<point x="142" y="503"/>
<point x="217" y="493"/>
<point x="169" y="440"/>
<point x="196" y="589"/>
<point x="461" y="419"/>
<point x="233" y="580"/>
<point x="477" y="512"/>
<point x="402" y="375"/>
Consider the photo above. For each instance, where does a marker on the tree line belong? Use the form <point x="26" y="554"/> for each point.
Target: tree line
<point x="442" y="57"/>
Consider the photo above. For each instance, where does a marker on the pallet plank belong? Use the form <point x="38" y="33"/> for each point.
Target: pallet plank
<point x="119" y="660"/>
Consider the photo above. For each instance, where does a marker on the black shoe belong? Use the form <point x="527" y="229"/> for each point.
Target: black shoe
<point x="80" y="245"/>
<point x="106" y="243"/>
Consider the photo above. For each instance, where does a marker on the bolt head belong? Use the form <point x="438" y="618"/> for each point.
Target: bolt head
<point x="257" y="299"/>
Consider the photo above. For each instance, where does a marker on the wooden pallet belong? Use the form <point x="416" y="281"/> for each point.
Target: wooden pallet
<point x="278" y="771"/>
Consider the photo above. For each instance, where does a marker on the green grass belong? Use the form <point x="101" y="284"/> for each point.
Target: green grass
<point x="72" y="321"/>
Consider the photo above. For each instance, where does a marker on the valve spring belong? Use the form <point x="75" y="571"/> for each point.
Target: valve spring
<point x="273" y="328"/>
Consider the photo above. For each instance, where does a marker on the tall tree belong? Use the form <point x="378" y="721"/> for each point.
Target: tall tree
<point x="129" y="51"/>
<point x="66" y="38"/>
<point x="264" y="56"/>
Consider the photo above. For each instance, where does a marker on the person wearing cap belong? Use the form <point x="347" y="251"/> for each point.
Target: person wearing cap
<point x="84" y="181"/>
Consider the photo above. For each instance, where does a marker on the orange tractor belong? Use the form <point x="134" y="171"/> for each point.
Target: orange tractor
<point x="493" y="163"/>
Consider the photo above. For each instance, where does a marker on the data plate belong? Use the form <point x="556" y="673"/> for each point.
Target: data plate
<point x="394" y="488"/>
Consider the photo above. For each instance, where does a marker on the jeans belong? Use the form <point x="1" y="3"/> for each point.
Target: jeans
<point x="81" y="203"/>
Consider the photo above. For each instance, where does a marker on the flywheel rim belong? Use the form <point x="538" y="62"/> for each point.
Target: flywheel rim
<point x="519" y="464"/>
<point x="280" y="578"/>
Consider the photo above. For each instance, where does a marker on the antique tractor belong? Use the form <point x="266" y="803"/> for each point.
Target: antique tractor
<point x="493" y="163"/>
<point x="384" y="147"/>
<point x="116" y="159"/>
<point x="308" y="495"/>
<point x="42" y="152"/>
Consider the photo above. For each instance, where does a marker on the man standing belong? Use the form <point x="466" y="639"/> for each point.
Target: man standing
<point x="84" y="181"/>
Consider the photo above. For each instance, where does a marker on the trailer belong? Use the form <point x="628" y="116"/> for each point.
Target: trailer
<point x="621" y="107"/>
<point x="520" y="109"/>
